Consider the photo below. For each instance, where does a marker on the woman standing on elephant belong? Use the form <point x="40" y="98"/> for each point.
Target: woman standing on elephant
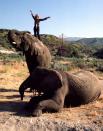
<point x="36" y="24"/>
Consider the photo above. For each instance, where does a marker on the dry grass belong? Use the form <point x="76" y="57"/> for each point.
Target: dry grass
<point x="12" y="74"/>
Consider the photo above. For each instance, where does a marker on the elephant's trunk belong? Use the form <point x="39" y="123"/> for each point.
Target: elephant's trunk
<point x="21" y="93"/>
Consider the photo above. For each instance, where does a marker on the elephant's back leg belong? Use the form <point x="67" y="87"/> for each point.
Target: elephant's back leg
<point x="83" y="90"/>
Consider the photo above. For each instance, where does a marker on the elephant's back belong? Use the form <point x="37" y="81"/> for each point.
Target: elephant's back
<point x="84" y="86"/>
<point x="44" y="56"/>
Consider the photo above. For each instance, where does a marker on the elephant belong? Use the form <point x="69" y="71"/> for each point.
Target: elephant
<point x="60" y="89"/>
<point x="36" y="53"/>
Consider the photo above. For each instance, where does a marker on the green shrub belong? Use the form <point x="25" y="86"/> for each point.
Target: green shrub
<point x="11" y="57"/>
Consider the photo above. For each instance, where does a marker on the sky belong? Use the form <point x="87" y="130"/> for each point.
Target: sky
<point x="73" y="18"/>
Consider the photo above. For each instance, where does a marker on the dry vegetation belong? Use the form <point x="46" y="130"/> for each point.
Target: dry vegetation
<point x="86" y="117"/>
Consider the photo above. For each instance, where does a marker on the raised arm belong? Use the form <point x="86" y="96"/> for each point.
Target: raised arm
<point x="32" y="14"/>
<point x="44" y="18"/>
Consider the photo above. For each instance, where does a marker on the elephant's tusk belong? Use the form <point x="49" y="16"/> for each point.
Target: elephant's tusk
<point x="14" y="42"/>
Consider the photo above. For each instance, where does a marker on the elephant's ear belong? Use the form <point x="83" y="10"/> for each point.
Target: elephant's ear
<point x="26" y="42"/>
<point x="26" y="47"/>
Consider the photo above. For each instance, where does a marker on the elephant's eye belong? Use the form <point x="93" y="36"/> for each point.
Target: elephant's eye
<point x="17" y="33"/>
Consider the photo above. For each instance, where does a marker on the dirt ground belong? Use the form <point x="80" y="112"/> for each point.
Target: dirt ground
<point x="86" y="117"/>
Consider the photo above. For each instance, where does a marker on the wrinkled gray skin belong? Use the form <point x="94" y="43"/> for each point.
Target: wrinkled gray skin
<point x="36" y="53"/>
<point x="60" y="89"/>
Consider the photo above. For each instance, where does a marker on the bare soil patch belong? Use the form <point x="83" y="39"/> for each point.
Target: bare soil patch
<point x="86" y="117"/>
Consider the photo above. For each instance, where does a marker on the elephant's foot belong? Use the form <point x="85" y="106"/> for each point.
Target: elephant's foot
<point x="37" y="113"/>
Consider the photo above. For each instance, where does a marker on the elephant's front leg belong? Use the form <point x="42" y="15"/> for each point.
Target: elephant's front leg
<point x="26" y="84"/>
<point x="53" y="104"/>
<point x="48" y="105"/>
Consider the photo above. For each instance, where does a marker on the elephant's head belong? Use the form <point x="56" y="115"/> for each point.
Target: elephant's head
<point x="43" y="80"/>
<point x="18" y="39"/>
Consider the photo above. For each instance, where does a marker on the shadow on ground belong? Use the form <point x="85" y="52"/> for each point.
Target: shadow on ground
<point x="8" y="90"/>
<point x="11" y="106"/>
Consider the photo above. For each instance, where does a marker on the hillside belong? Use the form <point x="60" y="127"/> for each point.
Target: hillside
<point x="86" y="41"/>
<point x="70" y="39"/>
<point x="91" y="41"/>
<point x="52" y="40"/>
<point x="83" y="48"/>
<point x="4" y="39"/>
